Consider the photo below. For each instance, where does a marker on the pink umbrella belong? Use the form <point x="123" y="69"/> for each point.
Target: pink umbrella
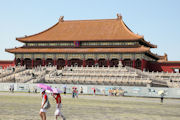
<point x="55" y="90"/>
<point x="45" y="87"/>
<point x="74" y="87"/>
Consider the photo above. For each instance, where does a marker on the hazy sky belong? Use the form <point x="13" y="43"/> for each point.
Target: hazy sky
<point x="157" y="20"/>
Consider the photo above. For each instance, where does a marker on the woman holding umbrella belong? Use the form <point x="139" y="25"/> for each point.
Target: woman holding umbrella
<point x="44" y="106"/>
<point x="45" y="102"/>
<point x="57" y="97"/>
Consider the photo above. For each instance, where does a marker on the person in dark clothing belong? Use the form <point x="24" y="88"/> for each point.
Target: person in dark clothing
<point x="162" y="97"/>
<point x="64" y="90"/>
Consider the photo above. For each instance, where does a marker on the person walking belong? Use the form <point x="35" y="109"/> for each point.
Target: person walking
<point x="76" y="93"/>
<point x="94" y="91"/>
<point x="81" y="90"/>
<point x="58" y="112"/>
<point x="44" y="105"/>
<point x="73" y="92"/>
<point x="162" y="97"/>
<point x="64" y="90"/>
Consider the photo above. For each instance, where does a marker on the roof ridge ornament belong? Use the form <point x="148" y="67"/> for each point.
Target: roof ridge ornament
<point x="165" y="57"/>
<point x="119" y="16"/>
<point x="61" y="19"/>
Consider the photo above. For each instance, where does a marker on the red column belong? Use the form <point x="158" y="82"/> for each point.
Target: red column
<point x="32" y="63"/>
<point x="96" y="61"/>
<point x="21" y="62"/>
<point x="43" y="62"/>
<point x="54" y="62"/>
<point x="84" y="63"/>
<point x="15" y="61"/>
<point x="66" y="62"/>
<point x="142" y="64"/>
<point x="134" y="64"/>
<point x="108" y="63"/>
<point x="121" y="62"/>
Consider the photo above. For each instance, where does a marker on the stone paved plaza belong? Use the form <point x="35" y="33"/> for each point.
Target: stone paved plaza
<point x="25" y="106"/>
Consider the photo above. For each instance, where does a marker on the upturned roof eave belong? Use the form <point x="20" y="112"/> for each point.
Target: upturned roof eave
<point x="154" y="55"/>
<point x="9" y="50"/>
<point x="148" y="43"/>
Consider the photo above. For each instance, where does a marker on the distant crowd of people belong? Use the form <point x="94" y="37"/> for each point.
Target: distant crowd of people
<point x="116" y="92"/>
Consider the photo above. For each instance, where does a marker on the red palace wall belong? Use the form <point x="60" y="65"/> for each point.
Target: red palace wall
<point x="166" y="67"/>
<point x="6" y="63"/>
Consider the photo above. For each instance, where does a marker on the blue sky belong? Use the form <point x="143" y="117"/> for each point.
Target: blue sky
<point x="157" y="20"/>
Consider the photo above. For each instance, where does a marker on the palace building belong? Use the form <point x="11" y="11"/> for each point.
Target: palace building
<point x="87" y="43"/>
